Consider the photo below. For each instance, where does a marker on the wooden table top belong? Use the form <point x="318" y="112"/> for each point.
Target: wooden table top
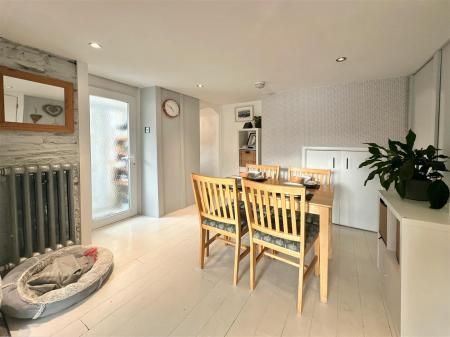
<point x="323" y="196"/>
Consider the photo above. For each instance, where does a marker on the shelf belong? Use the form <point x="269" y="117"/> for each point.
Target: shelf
<point x="121" y="182"/>
<point x="121" y="139"/>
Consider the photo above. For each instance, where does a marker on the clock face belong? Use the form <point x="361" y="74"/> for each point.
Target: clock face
<point x="171" y="108"/>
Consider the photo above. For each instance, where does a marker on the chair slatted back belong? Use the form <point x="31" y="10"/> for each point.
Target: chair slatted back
<point x="275" y="209"/>
<point x="271" y="171"/>
<point x="321" y="175"/>
<point x="216" y="198"/>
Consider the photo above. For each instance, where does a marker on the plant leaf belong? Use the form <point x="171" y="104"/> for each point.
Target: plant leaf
<point x="367" y="162"/>
<point x="410" y="139"/>
<point x="371" y="176"/>
<point x="392" y="145"/>
<point x="431" y="151"/>
<point x="375" y="151"/>
<point x="438" y="166"/>
<point x="376" y="145"/>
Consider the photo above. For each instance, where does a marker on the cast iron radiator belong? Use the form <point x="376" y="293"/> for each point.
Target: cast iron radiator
<point x="41" y="215"/>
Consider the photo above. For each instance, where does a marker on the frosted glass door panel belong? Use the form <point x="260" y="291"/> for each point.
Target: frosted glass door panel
<point x="110" y="154"/>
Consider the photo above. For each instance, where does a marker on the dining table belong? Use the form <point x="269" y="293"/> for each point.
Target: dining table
<point x="319" y="200"/>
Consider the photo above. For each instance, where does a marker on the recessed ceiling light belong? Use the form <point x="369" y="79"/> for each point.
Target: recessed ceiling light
<point x="199" y="85"/>
<point x="9" y="87"/>
<point x="341" y="59"/>
<point x="95" y="45"/>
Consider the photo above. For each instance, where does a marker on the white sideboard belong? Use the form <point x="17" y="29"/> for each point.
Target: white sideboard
<point x="414" y="265"/>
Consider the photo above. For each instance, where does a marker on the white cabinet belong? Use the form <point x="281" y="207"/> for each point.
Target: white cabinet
<point x="415" y="287"/>
<point x="354" y="204"/>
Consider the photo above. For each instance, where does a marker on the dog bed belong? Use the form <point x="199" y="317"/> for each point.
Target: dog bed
<point x="21" y="302"/>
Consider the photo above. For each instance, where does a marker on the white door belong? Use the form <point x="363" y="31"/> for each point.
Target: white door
<point x="113" y="166"/>
<point x="358" y="203"/>
<point x="331" y="160"/>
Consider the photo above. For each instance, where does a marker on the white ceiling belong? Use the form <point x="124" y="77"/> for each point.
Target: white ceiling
<point x="228" y="45"/>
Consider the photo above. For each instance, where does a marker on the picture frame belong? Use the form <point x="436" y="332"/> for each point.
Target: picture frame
<point x="251" y="141"/>
<point x="244" y="113"/>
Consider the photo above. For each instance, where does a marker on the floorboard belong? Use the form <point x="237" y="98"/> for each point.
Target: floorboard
<point x="158" y="289"/>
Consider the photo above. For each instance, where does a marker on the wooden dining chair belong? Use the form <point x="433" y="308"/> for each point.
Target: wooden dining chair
<point x="221" y="212"/>
<point x="276" y="218"/>
<point x="320" y="175"/>
<point x="323" y="176"/>
<point x="271" y="171"/>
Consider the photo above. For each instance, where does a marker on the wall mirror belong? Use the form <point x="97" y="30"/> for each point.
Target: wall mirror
<point x="33" y="102"/>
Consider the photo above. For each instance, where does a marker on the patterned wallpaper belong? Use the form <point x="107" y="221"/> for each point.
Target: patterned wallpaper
<point x="340" y="115"/>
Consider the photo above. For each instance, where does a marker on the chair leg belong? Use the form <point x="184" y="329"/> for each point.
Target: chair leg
<point x="253" y="252"/>
<point x="207" y="245"/>
<point x="300" y="288"/>
<point x="317" y="253"/>
<point x="237" y="253"/>
<point x="202" y="247"/>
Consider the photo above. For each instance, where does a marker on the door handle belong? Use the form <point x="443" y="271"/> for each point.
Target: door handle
<point x="334" y="162"/>
<point x="347" y="163"/>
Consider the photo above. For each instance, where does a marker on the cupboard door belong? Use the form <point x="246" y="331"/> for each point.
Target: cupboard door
<point x="331" y="160"/>
<point x="358" y="203"/>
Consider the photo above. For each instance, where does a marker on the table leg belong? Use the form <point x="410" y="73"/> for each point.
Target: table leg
<point x="324" y="243"/>
<point x="330" y="236"/>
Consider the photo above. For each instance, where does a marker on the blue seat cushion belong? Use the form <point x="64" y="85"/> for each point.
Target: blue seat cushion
<point x="312" y="218"/>
<point x="226" y="226"/>
<point x="311" y="232"/>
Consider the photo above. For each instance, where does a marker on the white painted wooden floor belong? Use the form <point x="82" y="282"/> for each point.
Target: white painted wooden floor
<point x="157" y="289"/>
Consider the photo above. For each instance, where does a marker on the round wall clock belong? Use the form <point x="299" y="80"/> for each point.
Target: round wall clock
<point x="171" y="108"/>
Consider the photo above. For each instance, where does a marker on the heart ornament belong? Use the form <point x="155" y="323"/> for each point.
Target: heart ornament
<point x="52" y="109"/>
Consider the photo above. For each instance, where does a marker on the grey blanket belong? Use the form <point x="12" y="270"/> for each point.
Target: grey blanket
<point x="62" y="271"/>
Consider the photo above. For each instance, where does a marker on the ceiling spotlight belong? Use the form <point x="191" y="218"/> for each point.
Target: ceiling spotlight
<point x="260" y="84"/>
<point x="199" y="85"/>
<point x="341" y="59"/>
<point x="95" y="45"/>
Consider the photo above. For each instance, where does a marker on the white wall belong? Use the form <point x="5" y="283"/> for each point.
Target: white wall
<point x="424" y="103"/>
<point x="340" y="115"/>
<point x="444" y="122"/>
<point x="191" y="145"/>
<point x="229" y="149"/>
<point x="85" y="152"/>
<point x="209" y="141"/>
<point x="171" y="151"/>
<point x="152" y="182"/>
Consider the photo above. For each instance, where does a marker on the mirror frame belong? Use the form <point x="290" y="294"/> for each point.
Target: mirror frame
<point x="68" y="127"/>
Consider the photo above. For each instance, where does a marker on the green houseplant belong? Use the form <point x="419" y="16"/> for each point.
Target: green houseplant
<point x="415" y="173"/>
